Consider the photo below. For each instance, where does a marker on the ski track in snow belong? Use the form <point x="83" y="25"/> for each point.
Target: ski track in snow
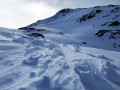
<point x="40" y="64"/>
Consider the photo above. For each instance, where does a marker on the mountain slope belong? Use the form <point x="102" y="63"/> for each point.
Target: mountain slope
<point x="90" y="25"/>
<point x="73" y="50"/>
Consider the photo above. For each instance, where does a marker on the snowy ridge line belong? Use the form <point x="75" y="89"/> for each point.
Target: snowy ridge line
<point x="97" y="27"/>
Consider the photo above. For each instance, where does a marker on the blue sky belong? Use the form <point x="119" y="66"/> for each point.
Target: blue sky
<point x="18" y="13"/>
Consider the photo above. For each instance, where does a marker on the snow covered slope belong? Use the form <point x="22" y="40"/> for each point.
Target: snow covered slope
<point x="94" y="27"/>
<point x="50" y="54"/>
<point x="34" y="63"/>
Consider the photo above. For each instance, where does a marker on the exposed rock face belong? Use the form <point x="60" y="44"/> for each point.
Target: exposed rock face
<point x="30" y="29"/>
<point x="64" y="11"/>
<point x="36" y="35"/>
<point x="26" y="28"/>
<point x="113" y="34"/>
<point x="115" y="23"/>
<point x="89" y="16"/>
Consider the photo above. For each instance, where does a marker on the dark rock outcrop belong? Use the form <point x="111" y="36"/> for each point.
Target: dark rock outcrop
<point x="36" y="35"/>
<point x="29" y="28"/>
<point x="115" y="23"/>
<point x="113" y="34"/>
<point x="63" y="12"/>
<point x="26" y="28"/>
<point x="89" y="16"/>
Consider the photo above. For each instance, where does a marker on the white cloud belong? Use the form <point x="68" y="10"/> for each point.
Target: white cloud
<point x="17" y="13"/>
<point x="77" y="3"/>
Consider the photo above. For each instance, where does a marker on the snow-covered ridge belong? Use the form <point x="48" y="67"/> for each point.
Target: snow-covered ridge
<point x="82" y="25"/>
<point x="81" y="11"/>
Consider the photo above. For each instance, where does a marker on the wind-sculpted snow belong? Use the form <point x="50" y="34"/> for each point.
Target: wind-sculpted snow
<point x="36" y="63"/>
